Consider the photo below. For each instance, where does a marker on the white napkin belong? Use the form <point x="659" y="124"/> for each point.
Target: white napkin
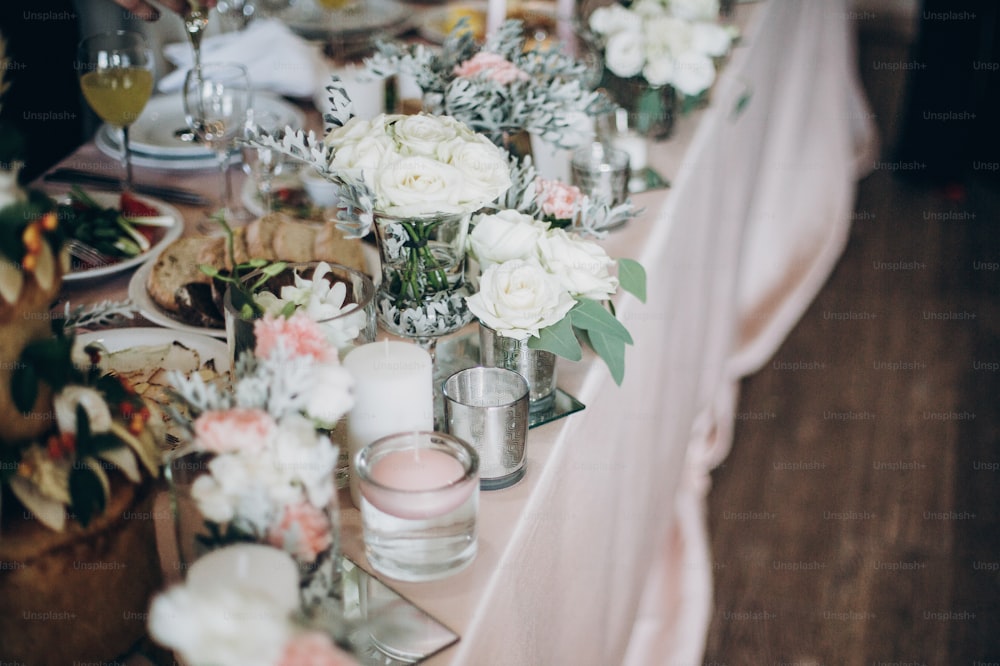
<point x="276" y="58"/>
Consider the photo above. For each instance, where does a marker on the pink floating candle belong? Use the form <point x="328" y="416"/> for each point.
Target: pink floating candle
<point x="417" y="483"/>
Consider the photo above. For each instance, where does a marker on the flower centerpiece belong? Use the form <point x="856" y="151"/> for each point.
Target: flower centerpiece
<point x="652" y="48"/>
<point x="417" y="179"/>
<point x="544" y="287"/>
<point x="237" y="625"/>
<point x="263" y="470"/>
<point x="562" y="205"/>
<point x="499" y="88"/>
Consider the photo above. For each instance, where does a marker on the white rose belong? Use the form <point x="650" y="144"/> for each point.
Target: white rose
<point x="222" y="626"/>
<point x="71" y="397"/>
<point x="614" y="19"/>
<point x="694" y="73"/>
<point x="710" y="39"/>
<point x="660" y="72"/>
<point x="518" y="298"/>
<point x="421" y="134"/>
<point x="213" y="502"/>
<point x="695" y="10"/>
<point x="667" y="35"/>
<point x="484" y="165"/>
<point x="624" y="54"/>
<point x="414" y="186"/>
<point x="354" y="130"/>
<point x="330" y="395"/>
<point x="306" y="459"/>
<point x="582" y="267"/>
<point x="504" y="236"/>
<point x="367" y="153"/>
<point x="647" y="9"/>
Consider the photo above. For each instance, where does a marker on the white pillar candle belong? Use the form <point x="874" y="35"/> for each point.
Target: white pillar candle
<point x="366" y="93"/>
<point x="393" y="392"/>
<point x="496" y="14"/>
<point x="635" y="146"/>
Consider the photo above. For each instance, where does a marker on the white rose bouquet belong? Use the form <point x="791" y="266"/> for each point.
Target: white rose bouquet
<point x="269" y="475"/>
<point x="547" y="286"/>
<point x="663" y="42"/>
<point x="421" y="164"/>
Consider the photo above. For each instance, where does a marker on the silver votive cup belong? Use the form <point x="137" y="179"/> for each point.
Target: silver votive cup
<point x="488" y="409"/>
<point x="537" y="366"/>
<point x="601" y="172"/>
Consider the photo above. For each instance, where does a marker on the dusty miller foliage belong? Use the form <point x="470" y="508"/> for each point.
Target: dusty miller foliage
<point x="549" y="103"/>
<point x="592" y="216"/>
<point x="357" y="202"/>
<point x="99" y="315"/>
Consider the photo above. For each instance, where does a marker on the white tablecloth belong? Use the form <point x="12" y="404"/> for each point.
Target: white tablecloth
<point x="599" y="556"/>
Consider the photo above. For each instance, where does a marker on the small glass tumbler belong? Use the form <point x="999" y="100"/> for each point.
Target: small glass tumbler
<point x="419" y="504"/>
<point x="353" y="327"/>
<point x="488" y="408"/>
<point x="601" y="172"/>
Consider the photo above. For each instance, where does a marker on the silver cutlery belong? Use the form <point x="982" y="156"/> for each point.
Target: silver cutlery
<point x="164" y="192"/>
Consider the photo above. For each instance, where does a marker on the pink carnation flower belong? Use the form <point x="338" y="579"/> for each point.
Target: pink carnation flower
<point x="313" y="648"/>
<point x="492" y="66"/>
<point x="557" y="198"/>
<point x="304" y="532"/>
<point x="232" y="430"/>
<point x="299" y="333"/>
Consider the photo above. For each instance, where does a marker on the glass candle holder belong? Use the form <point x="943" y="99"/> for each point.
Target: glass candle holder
<point x="488" y="408"/>
<point x="347" y="330"/>
<point x="601" y="171"/>
<point x="419" y="504"/>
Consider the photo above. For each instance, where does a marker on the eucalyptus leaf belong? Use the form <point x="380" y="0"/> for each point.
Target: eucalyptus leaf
<point x="612" y="351"/>
<point x="559" y="339"/>
<point x="632" y="278"/>
<point x="591" y="316"/>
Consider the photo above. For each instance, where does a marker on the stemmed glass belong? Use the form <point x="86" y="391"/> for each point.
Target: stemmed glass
<point x="195" y="22"/>
<point x="116" y="76"/>
<point x="217" y="97"/>
<point x="263" y="164"/>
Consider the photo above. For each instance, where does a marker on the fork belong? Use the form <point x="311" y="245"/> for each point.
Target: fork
<point x="87" y="253"/>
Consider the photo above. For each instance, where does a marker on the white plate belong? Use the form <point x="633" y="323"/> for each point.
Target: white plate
<point x="107" y="142"/>
<point x="312" y="21"/>
<point x="435" y="24"/>
<point x="152" y="137"/>
<point x="148" y="308"/>
<point x="173" y="232"/>
<point x="126" y="338"/>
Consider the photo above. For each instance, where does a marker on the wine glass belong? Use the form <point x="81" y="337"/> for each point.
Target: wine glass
<point x="260" y="163"/>
<point x="116" y="76"/>
<point x="217" y="97"/>
<point x="195" y="22"/>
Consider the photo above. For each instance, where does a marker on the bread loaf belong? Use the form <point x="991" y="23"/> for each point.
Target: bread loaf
<point x="275" y="237"/>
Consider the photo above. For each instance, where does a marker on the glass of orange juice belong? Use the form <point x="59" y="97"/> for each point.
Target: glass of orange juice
<point x="116" y="76"/>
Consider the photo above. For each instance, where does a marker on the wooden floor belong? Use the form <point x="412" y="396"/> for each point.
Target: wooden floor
<point x="872" y="482"/>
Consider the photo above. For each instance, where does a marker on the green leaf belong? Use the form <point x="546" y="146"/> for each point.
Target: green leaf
<point x="288" y="310"/>
<point x="558" y="339"/>
<point x="24" y="386"/>
<point x="591" y="316"/>
<point x="86" y="493"/>
<point x="612" y="352"/>
<point x="632" y="278"/>
<point x="211" y="271"/>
